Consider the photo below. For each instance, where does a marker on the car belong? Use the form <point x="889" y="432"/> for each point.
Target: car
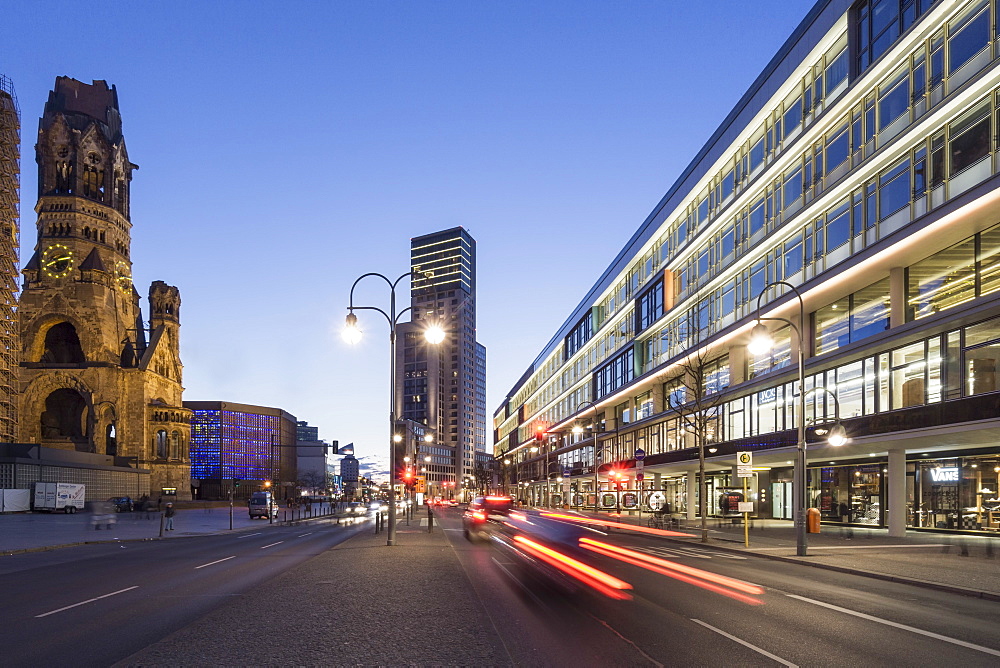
<point x="122" y="504"/>
<point x="379" y="506"/>
<point x="262" y="505"/>
<point x="483" y="513"/>
<point x="356" y="508"/>
<point x="549" y="554"/>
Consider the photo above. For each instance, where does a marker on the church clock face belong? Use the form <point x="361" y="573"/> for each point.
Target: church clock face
<point x="57" y="261"/>
<point x="123" y="276"/>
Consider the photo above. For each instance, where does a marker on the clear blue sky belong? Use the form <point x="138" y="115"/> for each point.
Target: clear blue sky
<point x="287" y="148"/>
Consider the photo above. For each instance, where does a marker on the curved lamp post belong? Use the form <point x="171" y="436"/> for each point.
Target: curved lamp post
<point x="761" y="341"/>
<point x="352" y="334"/>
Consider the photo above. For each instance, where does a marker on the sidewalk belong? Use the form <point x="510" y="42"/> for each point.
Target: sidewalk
<point x="964" y="564"/>
<point x="360" y="604"/>
<point x="22" y="532"/>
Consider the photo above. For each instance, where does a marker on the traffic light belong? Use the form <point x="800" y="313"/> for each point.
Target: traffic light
<point x="540" y="434"/>
<point x="236" y="482"/>
<point x="408" y="478"/>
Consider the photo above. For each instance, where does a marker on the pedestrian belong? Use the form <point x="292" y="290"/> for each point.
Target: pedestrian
<point x="169" y="514"/>
<point x="147" y="508"/>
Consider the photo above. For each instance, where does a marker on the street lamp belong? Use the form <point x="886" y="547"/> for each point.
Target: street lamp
<point x="352" y="334"/>
<point x="761" y="342"/>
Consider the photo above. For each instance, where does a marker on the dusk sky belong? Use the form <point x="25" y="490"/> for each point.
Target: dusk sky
<point x="287" y="148"/>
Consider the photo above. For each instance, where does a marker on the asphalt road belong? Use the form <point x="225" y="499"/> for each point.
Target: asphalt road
<point x="804" y="616"/>
<point x="93" y="605"/>
<point x="261" y="597"/>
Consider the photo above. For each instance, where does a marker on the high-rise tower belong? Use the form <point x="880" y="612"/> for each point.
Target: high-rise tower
<point x="439" y="383"/>
<point x="10" y="136"/>
<point x="93" y="377"/>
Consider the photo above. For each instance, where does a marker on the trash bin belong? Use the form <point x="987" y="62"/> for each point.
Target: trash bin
<point x="812" y="520"/>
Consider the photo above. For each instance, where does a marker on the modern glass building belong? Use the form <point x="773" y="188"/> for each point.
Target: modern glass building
<point x="253" y="444"/>
<point x="859" y="173"/>
<point x="443" y="386"/>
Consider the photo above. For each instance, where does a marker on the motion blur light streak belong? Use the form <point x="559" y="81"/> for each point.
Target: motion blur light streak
<point x="678" y="571"/>
<point x="739" y="585"/>
<point x="618" y="525"/>
<point x="607" y="584"/>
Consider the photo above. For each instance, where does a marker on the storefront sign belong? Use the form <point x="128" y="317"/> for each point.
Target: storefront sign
<point x="944" y="474"/>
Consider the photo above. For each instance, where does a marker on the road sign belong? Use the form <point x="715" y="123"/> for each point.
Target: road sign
<point x="421" y="485"/>
<point x="566" y="473"/>
<point x="639" y="454"/>
<point x="639" y="464"/>
<point x="744" y="464"/>
<point x="640" y="476"/>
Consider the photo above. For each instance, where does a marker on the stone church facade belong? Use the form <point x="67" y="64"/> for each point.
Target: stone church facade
<point x="94" y="376"/>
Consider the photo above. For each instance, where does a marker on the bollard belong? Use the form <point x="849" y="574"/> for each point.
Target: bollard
<point x="430" y="519"/>
<point x="161" y="525"/>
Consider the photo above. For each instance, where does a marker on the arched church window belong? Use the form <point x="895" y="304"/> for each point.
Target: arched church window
<point x="161" y="444"/>
<point x="175" y="445"/>
<point x="62" y="345"/>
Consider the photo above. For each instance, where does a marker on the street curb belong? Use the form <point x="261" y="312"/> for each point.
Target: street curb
<point x="927" y="584"/>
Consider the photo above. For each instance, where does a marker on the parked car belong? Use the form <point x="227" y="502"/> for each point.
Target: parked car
<point x="122" y="504"/>
<point x="262" y="505"/>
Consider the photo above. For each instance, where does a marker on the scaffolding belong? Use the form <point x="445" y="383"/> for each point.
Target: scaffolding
<point x="10" y="136"/>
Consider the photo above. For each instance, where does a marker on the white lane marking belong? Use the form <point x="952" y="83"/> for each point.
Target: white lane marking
<point x="303" y="535"/>
<point x="89" y="600"/>
<point x="746" y="644"/>
<point x="217" y="561"/>
<point x="264" y="547"/>
<point x="912" y="629"/>
<point x="247" y="535"/>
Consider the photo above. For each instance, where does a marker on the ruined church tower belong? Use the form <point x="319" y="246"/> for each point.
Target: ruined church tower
<point x="94" y="377"/>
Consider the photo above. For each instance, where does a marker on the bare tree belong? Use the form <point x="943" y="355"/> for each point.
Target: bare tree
<point x="481" y="476"/>
<point x="311" y="480"/>
<point x="694" y="396"/>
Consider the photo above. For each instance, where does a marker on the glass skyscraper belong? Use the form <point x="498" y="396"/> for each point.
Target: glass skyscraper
<point x="443" y="386"/>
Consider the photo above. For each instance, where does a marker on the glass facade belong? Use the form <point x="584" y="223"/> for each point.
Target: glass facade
<point x="863" y="175"/>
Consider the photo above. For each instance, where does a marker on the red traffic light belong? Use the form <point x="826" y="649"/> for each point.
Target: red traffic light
<point x="539" y="433"/>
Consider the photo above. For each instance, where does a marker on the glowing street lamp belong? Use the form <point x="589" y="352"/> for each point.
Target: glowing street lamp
<point x="760" y="343"/>
<point x="352" y="334"/>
